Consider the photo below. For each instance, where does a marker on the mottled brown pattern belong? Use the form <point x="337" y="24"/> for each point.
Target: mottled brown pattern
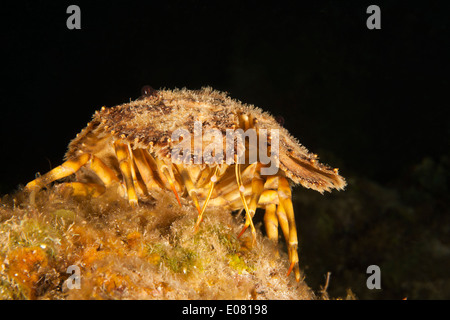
<point x="150" y="121"/>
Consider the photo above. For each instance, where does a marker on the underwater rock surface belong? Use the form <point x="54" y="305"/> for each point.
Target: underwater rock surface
<point x="150" y="252"/>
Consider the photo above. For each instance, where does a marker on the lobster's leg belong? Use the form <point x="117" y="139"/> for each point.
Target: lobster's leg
<point x="72" y="166"/>
<point x="187" y="181"/>
<point x="284" y="194"/>
<point x="257" y="189"/>
<point x="137" y="180"/>
<point x="125" y="164"/>
<point x="213" y="182"/>
<point x="105" y="174"/>
<point x="235" y="195"/>
<point x="271" y="182"/>
<point x="228" y="183"/>
<point x="147" y="169"/>
<point x="267" y="197"/>
<point x="203" y="177"/>
<point x="167" y="172"/>
<point x="66" y="169"/>
<point x="271" y="223"/>
<point x="139" y="184"/>
<point x="283" y="222"/>
<point x="241" y="189"/>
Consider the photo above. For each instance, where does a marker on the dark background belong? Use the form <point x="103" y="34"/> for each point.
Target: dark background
<point x="371" y="102"/>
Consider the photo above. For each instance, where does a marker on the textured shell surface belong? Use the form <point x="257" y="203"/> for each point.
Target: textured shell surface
<point x="150" y="121"/>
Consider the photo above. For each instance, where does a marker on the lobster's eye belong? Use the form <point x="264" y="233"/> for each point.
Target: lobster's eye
<point x="147" y="91"/>
<point x="280" y="120"/>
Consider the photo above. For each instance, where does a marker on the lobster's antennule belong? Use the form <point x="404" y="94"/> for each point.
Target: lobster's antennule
<point x="208" y="197"/>
<point x="248" y="216"/>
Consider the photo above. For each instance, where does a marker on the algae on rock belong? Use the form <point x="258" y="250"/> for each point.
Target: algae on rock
<point x="150" y="252"/>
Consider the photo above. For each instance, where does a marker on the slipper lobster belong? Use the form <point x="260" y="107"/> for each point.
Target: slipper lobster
<point x="136" y="149"/>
